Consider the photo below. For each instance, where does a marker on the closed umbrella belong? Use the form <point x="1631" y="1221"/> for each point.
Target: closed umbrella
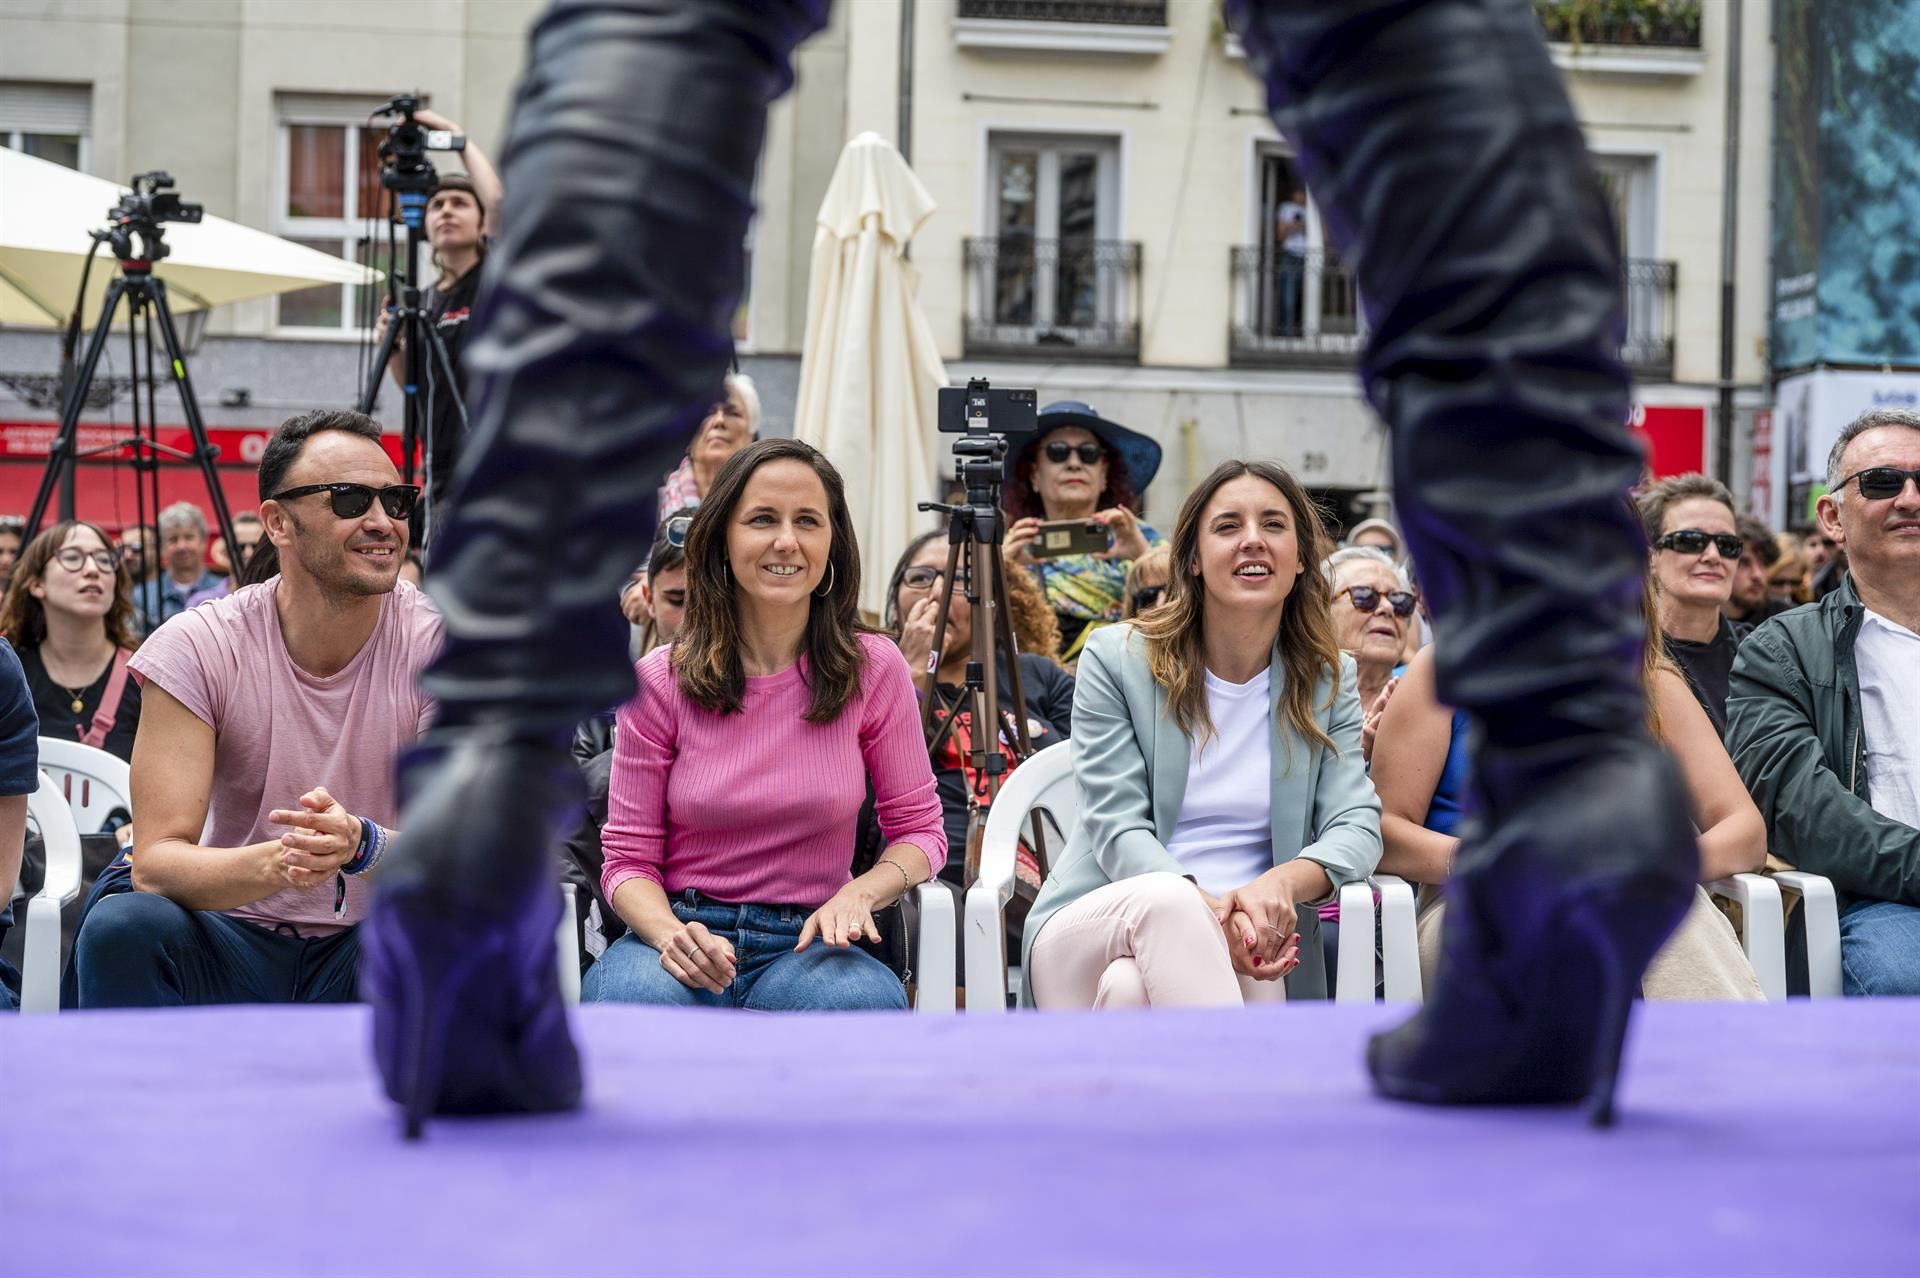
<point x="46" y="211"/>
<point x="870" y="374"/>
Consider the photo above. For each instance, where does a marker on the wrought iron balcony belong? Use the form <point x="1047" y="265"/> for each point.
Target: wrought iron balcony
<point x="1303" y="311"/>
<point x="1053" y="299"/>
<point x="1121" y="13"/>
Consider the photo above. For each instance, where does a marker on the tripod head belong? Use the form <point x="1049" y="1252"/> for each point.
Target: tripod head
<point x="134" y="232"/>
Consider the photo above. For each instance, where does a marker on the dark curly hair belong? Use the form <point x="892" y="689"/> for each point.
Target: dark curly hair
<point x="1019" y="499"/>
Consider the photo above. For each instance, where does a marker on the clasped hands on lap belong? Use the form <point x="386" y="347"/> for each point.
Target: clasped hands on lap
<point x="1259" y="918"/>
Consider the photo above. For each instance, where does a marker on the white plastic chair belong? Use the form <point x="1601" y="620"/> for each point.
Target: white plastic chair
<point x="1045" y="783"/>
<point x="93" y="781"/>
<point x="1763" y="927"/>
<point x="40" y="959"/>
<point x="934" y="968"/>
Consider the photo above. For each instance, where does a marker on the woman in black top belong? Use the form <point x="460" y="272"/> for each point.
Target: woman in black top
<point x="69" y="614"/>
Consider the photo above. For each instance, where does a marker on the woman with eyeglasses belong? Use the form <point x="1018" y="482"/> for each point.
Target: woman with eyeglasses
<point x="1081" y="468"/>
<point x="1787" y="580"/>
<point x="741" y="767"/>
<point x="728" y="427"/>
<point x="1696" y="547"/>
<point x="913" y="607"/>
<point x="1216" y="755"/>
<point x="69" y="613"/>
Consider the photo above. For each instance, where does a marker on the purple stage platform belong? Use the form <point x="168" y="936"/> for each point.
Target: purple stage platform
<point x="1754" y="1140"/>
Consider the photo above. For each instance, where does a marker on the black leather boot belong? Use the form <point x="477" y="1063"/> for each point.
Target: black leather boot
<point x="601" y="337"/>
<point x="1439" y="143"/>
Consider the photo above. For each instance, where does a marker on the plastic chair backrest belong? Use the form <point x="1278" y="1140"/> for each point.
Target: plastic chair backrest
<point x="40" y="965"/>
<point x="1042" y="783"/>
<point x="93" y="782"/>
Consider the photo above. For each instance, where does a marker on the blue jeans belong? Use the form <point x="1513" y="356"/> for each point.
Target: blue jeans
<point x="768" y="975"/>
<point x="139" y="949"/>
<point x="1879" y="948"/>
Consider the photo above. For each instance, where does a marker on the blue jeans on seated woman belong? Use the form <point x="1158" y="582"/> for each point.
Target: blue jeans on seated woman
<point x="768" y="975"/>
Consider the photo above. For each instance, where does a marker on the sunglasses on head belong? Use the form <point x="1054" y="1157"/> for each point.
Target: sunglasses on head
<point x="1059" y="450"/>
<point x="1147" y="597"/>
<point x="675" y="530"/>
<point x="1878" y="483"/>
<point x="1691" y="541"/>
<point x="73" y="559"/>
<point x="350" y="501"/>
<point x="1366" y="599"/>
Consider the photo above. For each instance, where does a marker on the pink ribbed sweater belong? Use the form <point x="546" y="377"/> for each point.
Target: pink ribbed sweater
<point x="760" y="807"/>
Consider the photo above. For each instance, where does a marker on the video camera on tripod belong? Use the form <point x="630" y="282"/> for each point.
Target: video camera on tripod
<point x="404" y="167"/>
<point x="138" y="216"/>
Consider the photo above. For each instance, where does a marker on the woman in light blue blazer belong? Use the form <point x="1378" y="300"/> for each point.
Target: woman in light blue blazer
<point x="1216" y="751"/>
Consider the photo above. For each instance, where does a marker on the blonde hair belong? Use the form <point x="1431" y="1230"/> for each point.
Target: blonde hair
<point x="1160" y="560"/>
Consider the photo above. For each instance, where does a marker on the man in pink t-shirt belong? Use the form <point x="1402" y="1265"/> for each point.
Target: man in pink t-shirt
<point x="270" y="724"/>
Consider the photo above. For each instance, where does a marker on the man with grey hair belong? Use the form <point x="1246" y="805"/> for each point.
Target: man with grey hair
<point x="184" y="572"/>
<point x="1821" y="718"/>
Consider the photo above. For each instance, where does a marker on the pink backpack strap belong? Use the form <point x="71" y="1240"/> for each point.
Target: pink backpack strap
<point x="103" y="718"/>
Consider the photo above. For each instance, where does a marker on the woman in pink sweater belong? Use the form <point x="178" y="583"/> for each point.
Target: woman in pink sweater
<point x="740" y="769"/>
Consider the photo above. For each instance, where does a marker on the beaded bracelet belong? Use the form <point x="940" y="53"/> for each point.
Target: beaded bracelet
<point x="373" y="846"/>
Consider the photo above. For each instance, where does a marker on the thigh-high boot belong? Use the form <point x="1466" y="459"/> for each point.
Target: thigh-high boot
<point x="1440" y="145"/>
<point x="602" y="335"/>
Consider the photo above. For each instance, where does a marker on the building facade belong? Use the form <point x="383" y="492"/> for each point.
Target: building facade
<point x="1118" y="220"/>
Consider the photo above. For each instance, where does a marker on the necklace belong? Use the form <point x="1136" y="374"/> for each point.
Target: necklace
<point x="78" y="703"/>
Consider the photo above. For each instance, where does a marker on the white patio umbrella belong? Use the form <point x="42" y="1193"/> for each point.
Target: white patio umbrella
<point x="46" y="211"/>
<point x="870" y="373"/>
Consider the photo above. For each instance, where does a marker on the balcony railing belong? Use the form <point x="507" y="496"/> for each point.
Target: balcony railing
<point x="1119" y="13"/>
<point x="1303" y="311"/>
<point x="1661" y="24"/>
<point x="1053" y="299"/>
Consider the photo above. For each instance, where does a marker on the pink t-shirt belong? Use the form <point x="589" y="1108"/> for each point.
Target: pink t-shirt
<point x="760" y="807"/>
<point x="279" y="731"/>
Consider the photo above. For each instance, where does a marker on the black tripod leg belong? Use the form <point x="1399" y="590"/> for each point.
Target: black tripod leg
<point x="203" y="449"/>
<point x="60" y="456"/>
<point x="370" y="393"/>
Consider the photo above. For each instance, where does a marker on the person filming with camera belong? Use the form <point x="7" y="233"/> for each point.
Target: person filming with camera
<point x="458" y="230"/>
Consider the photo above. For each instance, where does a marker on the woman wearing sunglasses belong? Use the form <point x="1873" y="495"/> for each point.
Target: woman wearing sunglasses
<point x="728" y="427"/>
<point x="1080" y="466"/>
<point x="1372" y="612"/>
<point x="1216" y="754"/>
<point x="1696" y="547"/>
<point x="69" y="612"/>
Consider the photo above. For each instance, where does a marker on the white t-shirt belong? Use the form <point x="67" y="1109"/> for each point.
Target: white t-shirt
<point x="1887" y="655"/>
<point x="1224" y="836"/>
<point x="1293" y="239"/>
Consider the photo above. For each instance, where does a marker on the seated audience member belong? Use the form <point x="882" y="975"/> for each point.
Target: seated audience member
<point x="1421" y="763"/>
<point x="1696" y="547"/>
<point x="182" y="571"/>
<point x="1751" y="601"/>
<point x="1377" y="533"/>
<point x="728" y="427"/>
<point x="69" y="615"/>
<point x="1787" y="580"/>
<point x="740" y="768"/>
<point x="19" y="777"/>
<point x="1216" y="753"/>
<point x="13" y="535"/>
<point x="1822" y="714"/>
<point x="913" y="607"/>
<point x="1147" y="582"/>
<point x="231" y="565"/>
<point x="263" y="774"/>
<point x="136" y="545"/>
<point x="1080" y="466"/>
<point x="1373" y="605"/>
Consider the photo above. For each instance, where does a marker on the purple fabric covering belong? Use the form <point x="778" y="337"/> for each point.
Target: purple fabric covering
<point x="1753" y="1139"/>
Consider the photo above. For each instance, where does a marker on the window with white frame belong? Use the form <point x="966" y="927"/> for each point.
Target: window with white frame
<point x="1629" y="184"/>
<point x="50" y="121"/>
<point x="1053" y="207"/>
<point x="328" y="197"/>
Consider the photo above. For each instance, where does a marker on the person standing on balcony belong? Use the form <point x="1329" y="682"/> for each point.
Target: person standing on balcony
<point x="1290" y="272"/>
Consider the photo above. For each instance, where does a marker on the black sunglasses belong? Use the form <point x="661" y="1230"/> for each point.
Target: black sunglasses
<point x="350" y="501"/>
<point x="1059" y="450"/>
<point x="1147" y="596"/>
<point x="1366" y="599"/>
<point x="1691" y="541"/>
<point x="1878" y="483"/>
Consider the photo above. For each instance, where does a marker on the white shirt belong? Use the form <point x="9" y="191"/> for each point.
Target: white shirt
<point x="1224" y="836"/>
<point x="1293" y="239"/>
<point x="1887" y="655"/>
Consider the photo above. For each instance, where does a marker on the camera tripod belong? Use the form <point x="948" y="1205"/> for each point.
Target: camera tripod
<point x="976" y="529"/>
<point x="146" y="299"/>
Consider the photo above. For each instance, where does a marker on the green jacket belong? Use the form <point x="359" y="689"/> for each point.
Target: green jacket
<point x="1793" y="729"/>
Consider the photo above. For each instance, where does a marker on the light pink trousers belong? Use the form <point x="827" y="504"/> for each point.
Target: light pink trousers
<point x="1148" y="941"/>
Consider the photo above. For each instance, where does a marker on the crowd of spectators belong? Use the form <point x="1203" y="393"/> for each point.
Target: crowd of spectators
<point x="1253" y="709"/>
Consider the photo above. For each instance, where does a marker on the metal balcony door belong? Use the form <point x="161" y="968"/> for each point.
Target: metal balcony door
<point x="1055" y="202"/>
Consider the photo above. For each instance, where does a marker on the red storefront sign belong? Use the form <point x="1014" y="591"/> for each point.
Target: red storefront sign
<point x="1674" y="437"/>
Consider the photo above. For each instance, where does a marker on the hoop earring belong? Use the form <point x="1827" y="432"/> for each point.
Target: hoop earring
<point x="822" y="594"/>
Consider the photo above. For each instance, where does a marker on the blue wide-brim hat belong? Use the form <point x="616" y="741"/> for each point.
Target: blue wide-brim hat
<point x="1141" y="454"/>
